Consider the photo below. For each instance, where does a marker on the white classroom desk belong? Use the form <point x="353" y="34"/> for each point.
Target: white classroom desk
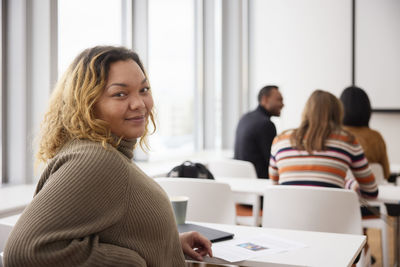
<point x="6" y="225"/>
<point x="323" y="249"/>
<point x="248" y="186"/>
<point x="160" y="167"/>
<point x="390" y="194"/>
<point x="14" y="198"/>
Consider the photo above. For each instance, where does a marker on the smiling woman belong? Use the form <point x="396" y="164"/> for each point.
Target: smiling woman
<point x="126" y="101"/>
<point x="93" y="206"/>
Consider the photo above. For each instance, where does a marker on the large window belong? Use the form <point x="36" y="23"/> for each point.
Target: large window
<point x="1" y="91"/>
<point x="176" y="39"/>
<point x="83" y="24"/>
<point x="171" y="71"/>
<point x="171" y="57"/>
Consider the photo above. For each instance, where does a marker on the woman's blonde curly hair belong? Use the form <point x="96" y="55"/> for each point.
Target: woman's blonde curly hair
<point x="70" y="114"/>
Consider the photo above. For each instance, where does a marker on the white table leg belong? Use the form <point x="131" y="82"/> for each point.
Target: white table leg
<point x="256" y="212"/>
<point x="397" y="253"/>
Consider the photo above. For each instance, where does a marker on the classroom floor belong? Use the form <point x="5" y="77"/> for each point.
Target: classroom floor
<point x="374" y="240"/>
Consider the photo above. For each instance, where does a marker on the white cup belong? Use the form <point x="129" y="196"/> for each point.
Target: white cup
<point x="179" y="205"/>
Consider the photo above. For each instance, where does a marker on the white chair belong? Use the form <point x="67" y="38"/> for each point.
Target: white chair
<point x="242" y="169"/>
<point x="377" y="170"/>
<point x="312" y="209"/>
<point x="6" y="225"/>
<point x="377" y="223"/>
<point x="380" y="224"/>
<point x="232" y="168"/>
<point x="209" y="200"/>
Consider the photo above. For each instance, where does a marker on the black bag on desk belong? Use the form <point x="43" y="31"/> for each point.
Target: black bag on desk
<point x="191" y="170"/>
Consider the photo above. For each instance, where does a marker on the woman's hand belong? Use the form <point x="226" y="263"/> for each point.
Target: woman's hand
<point x="352" y="184"/>
<point x="195" y="245"/>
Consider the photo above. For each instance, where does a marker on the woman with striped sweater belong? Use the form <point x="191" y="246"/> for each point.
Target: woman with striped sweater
<point x="320" y="151"/>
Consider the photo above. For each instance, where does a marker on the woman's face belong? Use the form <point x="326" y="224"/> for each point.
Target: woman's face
<point x="126" y="101"/>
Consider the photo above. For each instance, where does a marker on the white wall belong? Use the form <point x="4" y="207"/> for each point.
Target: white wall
<point x="303" y="45"/>
<point x="16" y="91"/>
<point x="31" y="71"/>
<point x="378" y="51"/>
<point x="378" y="65"/>
<point x="389" y="126"/>
<point x="300" y="46"/>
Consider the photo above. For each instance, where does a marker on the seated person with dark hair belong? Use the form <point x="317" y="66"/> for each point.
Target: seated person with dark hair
<point x="255" y="130"/>
<point x="357" y="113"/>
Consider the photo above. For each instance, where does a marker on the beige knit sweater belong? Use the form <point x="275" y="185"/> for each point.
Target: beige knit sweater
<point x="94" y="207"/>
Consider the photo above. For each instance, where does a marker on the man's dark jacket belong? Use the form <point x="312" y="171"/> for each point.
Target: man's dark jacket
<point x="254" y="135"/>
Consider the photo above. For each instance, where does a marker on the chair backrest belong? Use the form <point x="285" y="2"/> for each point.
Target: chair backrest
<point x="209" y="200"/>
<point x="6" y="225"/>
<point x="232" y="168"/>
<point x="377" y="170"/>
<point x="309" y="208"/>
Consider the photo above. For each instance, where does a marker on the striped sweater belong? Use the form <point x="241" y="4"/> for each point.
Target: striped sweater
<point x="289" y="166"/>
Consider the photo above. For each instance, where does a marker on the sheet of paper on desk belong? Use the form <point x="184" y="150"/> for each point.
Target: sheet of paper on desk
<point x="251" y="247"/>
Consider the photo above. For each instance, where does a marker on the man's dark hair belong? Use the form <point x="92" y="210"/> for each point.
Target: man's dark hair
<point x="357" y="107"/>
<point x="266" y="91"/>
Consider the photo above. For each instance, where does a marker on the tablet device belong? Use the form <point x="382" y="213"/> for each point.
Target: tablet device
<point x="213" y="235"/>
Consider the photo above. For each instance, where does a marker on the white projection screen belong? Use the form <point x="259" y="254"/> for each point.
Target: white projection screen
<point x="377" y="57"/>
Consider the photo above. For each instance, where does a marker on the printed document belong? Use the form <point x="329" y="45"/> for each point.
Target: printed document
<point x="251" y="247"/>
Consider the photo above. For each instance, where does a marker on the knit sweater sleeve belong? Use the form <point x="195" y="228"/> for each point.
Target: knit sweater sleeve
<point x="362" y="172"/>
<point x="83" y="195"/>
<point x="273" y="168"/>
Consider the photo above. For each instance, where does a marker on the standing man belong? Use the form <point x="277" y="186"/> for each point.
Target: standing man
<point x="255" y="131"/>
